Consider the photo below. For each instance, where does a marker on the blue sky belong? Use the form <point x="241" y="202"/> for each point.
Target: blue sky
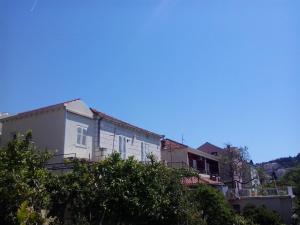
<point x="217" y="71"/>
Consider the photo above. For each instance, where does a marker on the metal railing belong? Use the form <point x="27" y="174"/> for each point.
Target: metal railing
<point x="184" y="165"/>
<point x="258" y="192"/>
<point x="57" y="162"/>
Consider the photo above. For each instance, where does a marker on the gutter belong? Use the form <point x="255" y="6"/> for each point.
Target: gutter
<point x="98" y="131"/>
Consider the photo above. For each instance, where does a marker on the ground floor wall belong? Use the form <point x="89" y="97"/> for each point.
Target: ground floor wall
<point x="281" y="204"/>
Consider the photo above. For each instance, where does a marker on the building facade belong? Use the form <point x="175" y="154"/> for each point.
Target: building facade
<point x="182" y="156"/>
<point x="235" y="171"/>
<point x="72" y="129"/>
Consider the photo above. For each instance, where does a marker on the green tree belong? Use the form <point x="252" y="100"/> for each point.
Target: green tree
<point x="111" y="192"/>
<point x="27" y="215"/>
<point x="234" y="166"/>
<point x="261" y="215"/>
<point x="291" y="178"/>
<point x="116" y="191"/>
<point x="22" y="178"/>
<point x="215" y="209"/>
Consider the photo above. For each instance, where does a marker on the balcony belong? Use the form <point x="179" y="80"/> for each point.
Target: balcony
<point x="259" y="192"/>
<point x="203" y="173"/>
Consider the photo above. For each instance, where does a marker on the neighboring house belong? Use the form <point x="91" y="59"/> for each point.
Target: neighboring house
<point x="72" y="129"/>
<point x="280" y="200"/>
<point x="180" y="155"/>
<point x="232" y="169"/>
<point x="210" y="149"/>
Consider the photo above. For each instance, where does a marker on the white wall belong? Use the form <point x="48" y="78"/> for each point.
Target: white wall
<point x="47" y="128"/>
<point x="109" y="139"/>
<point x="175" y="155"/>
<point x="72" y="122"/>
<point x="79" y="107"/>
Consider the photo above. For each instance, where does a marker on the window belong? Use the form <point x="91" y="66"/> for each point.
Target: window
<point x="122" y="146"/>
<point x="194" y="163"/>
<point x="144" y="151"/>
<point x="81" y="136"/>
<point x="13" y="134"/>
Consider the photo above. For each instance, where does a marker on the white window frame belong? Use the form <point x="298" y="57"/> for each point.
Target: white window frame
<point x="144" y="151"/>
<point x="122" y="146"/>
<point x="81" y="137"/>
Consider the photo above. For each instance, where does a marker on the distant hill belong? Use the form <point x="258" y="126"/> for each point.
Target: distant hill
<point x="287" y="162"/>
<point x="280" y="166"/>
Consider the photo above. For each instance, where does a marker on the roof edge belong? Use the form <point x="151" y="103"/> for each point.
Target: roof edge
<point x="41" y="109"/>
<point x="123" y="123"/>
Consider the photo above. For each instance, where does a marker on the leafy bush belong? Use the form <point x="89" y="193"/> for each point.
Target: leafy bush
<point x="239" y="220"/>
<point x="291" y="178"/>
<point x="22" y="178"/>
<point x="261" y="215"/>
<point x="28" y="215"/>
<point x="113" y="191"/>
<point x="212" y="203"/>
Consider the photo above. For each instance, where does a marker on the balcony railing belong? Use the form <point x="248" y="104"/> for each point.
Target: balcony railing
<point x="184" y="165"/>
<point x="57" y="162"/>
<point x="259" y="192"/>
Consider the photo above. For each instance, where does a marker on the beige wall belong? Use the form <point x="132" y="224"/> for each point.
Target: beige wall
<point x="174" y="156"/>
<point x="280" y="204"/>
<point x="80" y="108"/>
<point x="47" y="128"/>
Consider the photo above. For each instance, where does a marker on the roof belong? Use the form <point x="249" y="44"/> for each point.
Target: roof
<point x="168" y="144"/>
<point x="122" y="123"/>
<point x="209" y="148"/>
<point x="4" y="115"/>
<point x="201" y="153"/>
<point x="42" y="109"/>
<point x="100" y="114"/>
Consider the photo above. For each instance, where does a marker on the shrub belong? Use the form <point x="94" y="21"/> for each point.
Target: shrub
<point x="214" y="207"/>
<point x="261" y="215"/>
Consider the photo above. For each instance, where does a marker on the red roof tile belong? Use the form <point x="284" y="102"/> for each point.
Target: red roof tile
<point x="168" y="144"/>
<point x="210" y="148"/>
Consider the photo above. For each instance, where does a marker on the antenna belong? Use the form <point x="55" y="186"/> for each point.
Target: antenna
<point x="182" y="139"/>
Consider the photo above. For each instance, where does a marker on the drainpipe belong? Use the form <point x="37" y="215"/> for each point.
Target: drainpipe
<point x="98" y="139"/>
<point x="98" y="133"/>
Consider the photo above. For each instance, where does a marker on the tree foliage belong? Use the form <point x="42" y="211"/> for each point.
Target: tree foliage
<point x="292" y="178"/>
<point x="212" y="203"/>
<point x="27" y="215"/>
<point x="261" y="215"/>
<point x="111" y="192"/>
<point x="234" y="165"/>
<point x="22" y="178"/>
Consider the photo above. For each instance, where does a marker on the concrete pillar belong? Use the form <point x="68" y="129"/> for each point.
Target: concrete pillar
<point x="205" y="166"/>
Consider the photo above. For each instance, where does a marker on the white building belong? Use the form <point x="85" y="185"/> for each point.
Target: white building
<point x="72" y="129"/>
